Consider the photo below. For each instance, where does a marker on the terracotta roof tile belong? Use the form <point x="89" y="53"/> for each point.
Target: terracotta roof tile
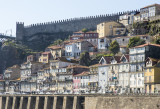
<point x="29" y="56"/>
<point x="77" y="36"/>
<point x="150" y="6"/>
<point x="131" y="36"/>
<point x="77" y="66"/>
<point x="117" y="58"/>
<point x="64" y="59"/>
<point x="54" y="47"/>
<point x="84" y="73"/>
<point x="123" y="46"/>
<point x="46" y="53"/>
<point x="147" y="45"/>
<point x="108" y="59"/>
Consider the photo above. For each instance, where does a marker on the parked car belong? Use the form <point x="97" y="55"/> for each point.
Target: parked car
<point x="49" y="93"/>
<point x="6" y="93"/>
<point x="41" y="93"/>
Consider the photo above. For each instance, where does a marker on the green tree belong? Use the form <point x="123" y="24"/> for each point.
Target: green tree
<point x="135" y="41"/>
<point x="114" y="47"/>
<point x="154" y="29"/>
<point x="84" y="30"/>
<point x="157" y="41"/>
<point x="57" y="42"/>
<point x="85" y="59"/>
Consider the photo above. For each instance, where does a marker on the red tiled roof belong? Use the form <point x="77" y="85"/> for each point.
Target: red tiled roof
<point x="84" y="73"/>
<point x="29" y="56"/>
<point x="77" y="66"/>
<point x="54" y="47"/>
<point x="117" y="58"/>
<point x="125" y="55"/>
<point x="77" y="36"/>
<point x="123" y="46"/>
<point x="74" y="41"/>
<point x="150" y="6"/>
<point x="79" y="40"/>
<point x="46" y="53"/>
<point x="146" y="45"/>
<point x="64" y="59"/>
<point x="108" y="59"/>
<point x="131" y="36"/>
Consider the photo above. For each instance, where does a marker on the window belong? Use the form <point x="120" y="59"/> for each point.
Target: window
<point x="139" y="82"/>
<point x="145" y="70"/>
<point x="126" y="82"/>
<point x="145" y="78"/>
<point x="149" y="69"/>
<point x="103" y="73"/>
<point x="135" y="75"/>
<point x="110" y="26"/>
<point x="149" y="78"/>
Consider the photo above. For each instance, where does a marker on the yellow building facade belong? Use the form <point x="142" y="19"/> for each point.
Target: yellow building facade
<point x="152" y="76"/>
<point x="110" y="29"/>
<point x="56" y="51"/>
<point x="45" y="57"/>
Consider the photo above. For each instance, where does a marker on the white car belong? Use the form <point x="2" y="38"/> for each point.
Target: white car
<point x="6" y="93"/>
<point x="49" y="93"/>
<point x="41" y="93"/>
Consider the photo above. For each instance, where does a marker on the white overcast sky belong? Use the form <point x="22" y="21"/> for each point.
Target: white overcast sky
<point x="39" y="11"/>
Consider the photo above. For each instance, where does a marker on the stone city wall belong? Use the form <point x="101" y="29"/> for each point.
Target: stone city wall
<point x="67" y="25"/>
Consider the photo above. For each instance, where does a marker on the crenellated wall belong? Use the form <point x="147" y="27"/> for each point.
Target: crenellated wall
<point x="67" y="25"/>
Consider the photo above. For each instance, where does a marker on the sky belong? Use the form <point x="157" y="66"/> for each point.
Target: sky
<point x="39" y="11"/>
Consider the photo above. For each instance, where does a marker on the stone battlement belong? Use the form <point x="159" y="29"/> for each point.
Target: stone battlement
<point x="66" y="25"/>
